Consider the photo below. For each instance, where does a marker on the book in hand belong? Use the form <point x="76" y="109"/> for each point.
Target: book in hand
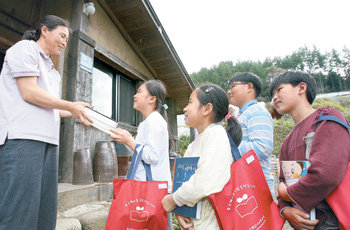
<point x="292" y="172"/>
<point x="101" y="121"/>
<point x="184" y="168"/>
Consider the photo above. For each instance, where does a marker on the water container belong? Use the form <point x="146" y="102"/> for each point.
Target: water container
<point x="82" y="167"/>
<point x="105" y="162"/>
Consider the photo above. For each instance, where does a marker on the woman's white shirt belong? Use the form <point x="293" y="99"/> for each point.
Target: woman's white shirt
<point x="20" y="119"/>
<point x="153" y="135"/>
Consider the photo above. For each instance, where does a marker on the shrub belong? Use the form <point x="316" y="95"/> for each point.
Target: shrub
<point x="183" y="142"/>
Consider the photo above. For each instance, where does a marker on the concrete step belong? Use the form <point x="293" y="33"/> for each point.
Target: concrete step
<point x="83" y="206"/>
<point x="70" y="196"/>
<point x="90" y="216"/>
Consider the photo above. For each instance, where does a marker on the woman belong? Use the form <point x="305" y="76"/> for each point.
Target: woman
<point x="29" y="119"/>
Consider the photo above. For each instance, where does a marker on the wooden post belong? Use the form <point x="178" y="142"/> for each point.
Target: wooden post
<point x="73" y="135"/>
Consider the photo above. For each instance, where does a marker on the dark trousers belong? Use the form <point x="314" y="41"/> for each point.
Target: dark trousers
<point x="331" y="222"/>
<point x="28" y="185"/>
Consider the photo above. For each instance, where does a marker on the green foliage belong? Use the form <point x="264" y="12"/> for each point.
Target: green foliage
<point x="283" y="126"/>
<point x="340" y="103"/>
<point x="331" y="70"/>
<point x="183" y="142"/>
<point x="176" y="225"/>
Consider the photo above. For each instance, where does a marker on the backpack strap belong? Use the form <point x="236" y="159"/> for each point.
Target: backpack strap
<point x="332" y="118"/>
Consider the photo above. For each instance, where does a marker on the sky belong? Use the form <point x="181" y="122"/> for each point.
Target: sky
<point x="206" y="32"/>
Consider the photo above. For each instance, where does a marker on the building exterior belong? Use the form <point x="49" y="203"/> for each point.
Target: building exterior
<point x="110" y="53"/>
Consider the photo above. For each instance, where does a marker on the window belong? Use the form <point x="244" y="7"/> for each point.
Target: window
<point x="102" y="90"/>
<point x="113" y="93"/>
<point x="126" y="110"/>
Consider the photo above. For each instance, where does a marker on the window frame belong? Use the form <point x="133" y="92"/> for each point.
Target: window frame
<point x="116" y="97"/>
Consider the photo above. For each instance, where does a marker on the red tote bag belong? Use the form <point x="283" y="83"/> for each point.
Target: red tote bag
<point x="245" y="201"/>
<point x="339" y="199"/>
<point x="137" y="204"/>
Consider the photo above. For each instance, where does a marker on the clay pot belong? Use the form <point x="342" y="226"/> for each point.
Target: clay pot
<point x="124" y="155"/>
<point x="82" y="167"/>
<point x="105" y="162"/>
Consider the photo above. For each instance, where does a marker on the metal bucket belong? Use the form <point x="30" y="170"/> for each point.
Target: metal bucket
<point x="82" y="167"/>
<point x="105" y="162"/>
<point x="124" y="155"/>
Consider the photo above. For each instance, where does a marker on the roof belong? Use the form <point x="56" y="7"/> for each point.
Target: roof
<point x="148" y="37"/>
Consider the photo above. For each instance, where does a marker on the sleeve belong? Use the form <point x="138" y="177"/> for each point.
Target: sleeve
<point x="156" y="138"/>
<point x="329" y="158"/>
<point x="22" y="60"/>
<point x="213" y="169"/>
<point x="259" y="135"/>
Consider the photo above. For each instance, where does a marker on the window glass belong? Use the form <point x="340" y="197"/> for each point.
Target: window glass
<point x="102" y="89"/>
<point x="127" y="91"/>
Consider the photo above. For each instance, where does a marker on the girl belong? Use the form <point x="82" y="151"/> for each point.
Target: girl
<point x="207" y="105"/>
<point x="152" y="133"/>
<point x="29" y="122"/>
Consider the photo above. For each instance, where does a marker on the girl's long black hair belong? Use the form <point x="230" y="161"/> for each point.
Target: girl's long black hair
<point x="157" y="89"/>
<point x="210" y="93"/>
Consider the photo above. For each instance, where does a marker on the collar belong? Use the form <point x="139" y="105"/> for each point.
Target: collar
<point x="46" y="58"/>
<point x="41" y="51"/>
<point x="249" y="103"/>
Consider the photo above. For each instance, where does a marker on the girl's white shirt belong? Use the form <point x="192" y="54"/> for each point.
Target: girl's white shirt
<point x="213" y="172"/>
<point x="153" y="135"/>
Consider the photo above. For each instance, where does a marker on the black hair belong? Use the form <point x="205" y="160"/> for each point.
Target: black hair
<point x="157" y="89"/>
<point x="50" y="21"/>
<point x="294" y="78"/>
<point x="248" y="77"/>
<point x="216" y="96"/>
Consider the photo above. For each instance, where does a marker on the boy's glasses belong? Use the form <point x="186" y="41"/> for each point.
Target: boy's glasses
<point x="237" y="83"/>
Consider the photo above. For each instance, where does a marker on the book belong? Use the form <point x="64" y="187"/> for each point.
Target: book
<point x="184" y="168"/>
<point x="292" y="172"/>
<point x="101" y="121"/>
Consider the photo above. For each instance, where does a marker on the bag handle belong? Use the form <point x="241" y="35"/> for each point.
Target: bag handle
<point x="234" y="150"/>
<point x="136" y="158"/>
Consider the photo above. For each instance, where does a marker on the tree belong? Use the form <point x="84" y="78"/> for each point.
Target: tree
<point x="330" y="70"/>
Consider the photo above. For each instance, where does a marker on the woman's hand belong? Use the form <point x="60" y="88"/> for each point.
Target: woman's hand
<point x="299" y="219"/>
<point x="122" y="136"/>
<point x="168" y="203"/>
<point x="282" y="191"/>
<point x="78" y="111"/>
<point x="185" y="222"/>
<point x="31" y="93"/>
<point x="65" y="113"/>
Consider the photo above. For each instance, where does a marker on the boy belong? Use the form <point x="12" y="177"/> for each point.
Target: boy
<point x="293" y="93"/>
<point x="255" y="120"/>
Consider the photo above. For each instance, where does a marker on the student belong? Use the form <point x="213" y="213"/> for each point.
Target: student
<point x="29" y="123"/>
<point x="152" y="133"/>
<point x="293" y="93"/>
<point x="207" y="105"/>
<point x="255" y="120"/>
